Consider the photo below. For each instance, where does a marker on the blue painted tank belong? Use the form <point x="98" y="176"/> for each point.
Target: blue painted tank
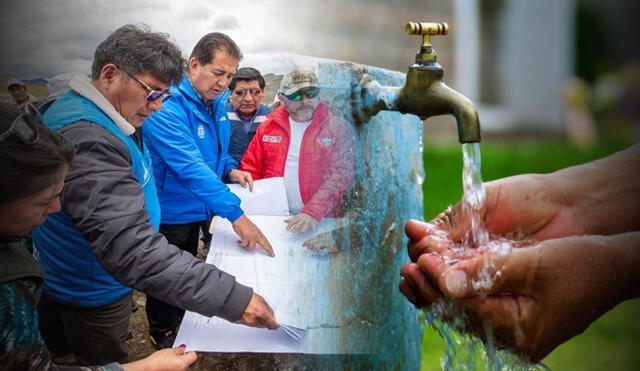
<point x="374" y="326"/>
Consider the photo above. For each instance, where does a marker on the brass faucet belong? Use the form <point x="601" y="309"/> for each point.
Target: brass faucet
<point x="424" y="93"/>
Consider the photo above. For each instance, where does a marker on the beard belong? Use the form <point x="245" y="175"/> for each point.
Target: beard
<point x="304" y="112"/>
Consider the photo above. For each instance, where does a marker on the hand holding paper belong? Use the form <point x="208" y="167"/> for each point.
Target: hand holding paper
<point x="241" y="177"/>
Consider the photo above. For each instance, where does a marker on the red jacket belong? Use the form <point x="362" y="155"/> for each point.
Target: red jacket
<point x="327" y="158"/>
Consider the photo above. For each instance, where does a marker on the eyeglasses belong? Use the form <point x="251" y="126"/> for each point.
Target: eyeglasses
<point x="153" y="94"/>
<point x="309" y="93"/>
<point x="242" y="92"/>
<point x="25" y="126"/>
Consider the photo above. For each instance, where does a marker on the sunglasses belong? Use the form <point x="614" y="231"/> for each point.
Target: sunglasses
<point x="152" y="94"/>
<point x="309" y="93"/>
<point x="242" y="92"/>
<point x="25" y="126"/>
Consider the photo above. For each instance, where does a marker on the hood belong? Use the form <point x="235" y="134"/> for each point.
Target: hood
<point x="82" y="85"/>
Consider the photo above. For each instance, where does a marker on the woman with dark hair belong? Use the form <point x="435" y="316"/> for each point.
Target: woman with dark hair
<point x="34" y="162"/>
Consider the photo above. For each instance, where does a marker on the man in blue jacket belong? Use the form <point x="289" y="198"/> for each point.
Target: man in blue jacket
<point x="245" y="109"/>
<point x="104" y="240"/>
<point x="189" y="142"/>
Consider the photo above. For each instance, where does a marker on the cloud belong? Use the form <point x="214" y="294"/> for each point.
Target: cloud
<point x="224" y="21"/>
<point x="196" y="11"/>
<point x="45" y="38"/>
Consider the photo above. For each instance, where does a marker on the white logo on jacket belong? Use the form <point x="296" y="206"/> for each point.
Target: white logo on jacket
<point x="200" y="131"/>
<point x="326" y="141"/>
<point x="271" y="139"/>
<point x="146" y="174"/>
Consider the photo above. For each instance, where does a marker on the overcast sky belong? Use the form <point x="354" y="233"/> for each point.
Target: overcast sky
<point x="44" y="38"/>
<point x="48" y="37"/>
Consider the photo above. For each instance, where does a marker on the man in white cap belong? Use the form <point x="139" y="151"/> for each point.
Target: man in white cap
<point x="313" y="150"/>
<point x="18" y="90"/>
<point x="56" y="86"/>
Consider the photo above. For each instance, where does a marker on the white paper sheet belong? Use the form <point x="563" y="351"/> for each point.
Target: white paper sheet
<point x="293" y="283"/>
<point x="269" y="197"/>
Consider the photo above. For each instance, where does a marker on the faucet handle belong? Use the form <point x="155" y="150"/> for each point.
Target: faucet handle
<point x="426" y="29"/>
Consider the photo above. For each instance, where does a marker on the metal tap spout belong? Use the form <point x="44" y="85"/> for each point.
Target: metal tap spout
<point x="424" y="93"/>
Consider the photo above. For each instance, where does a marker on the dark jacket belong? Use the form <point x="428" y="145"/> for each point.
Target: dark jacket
<point x="105" y="201"/>
<point x="240" y="138"/>
<point x="21" y="345"/>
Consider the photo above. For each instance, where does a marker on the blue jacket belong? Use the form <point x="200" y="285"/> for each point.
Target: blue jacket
<point x="189" y="149"/>
<point x="74" y="274"/>
<point x="240" y="138"/>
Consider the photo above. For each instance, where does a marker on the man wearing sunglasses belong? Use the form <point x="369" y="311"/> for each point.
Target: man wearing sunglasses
<point x="312" y="149"/>
<point x="105" y="241"/>
<point x="245" y="109"/>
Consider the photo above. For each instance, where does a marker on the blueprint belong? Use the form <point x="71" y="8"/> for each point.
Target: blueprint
<point x="294" y="283"/>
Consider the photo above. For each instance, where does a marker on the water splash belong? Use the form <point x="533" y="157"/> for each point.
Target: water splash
<point x="464" y="351"/>
<point x="468" y="353"/>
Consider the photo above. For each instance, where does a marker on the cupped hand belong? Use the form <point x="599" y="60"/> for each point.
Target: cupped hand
<point x="524" y="204"/>
<point x="540" y="296"/>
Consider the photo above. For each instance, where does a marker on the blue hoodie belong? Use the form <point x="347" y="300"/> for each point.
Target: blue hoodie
<point x="189" y="149"/>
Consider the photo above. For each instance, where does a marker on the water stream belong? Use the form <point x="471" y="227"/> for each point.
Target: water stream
<point x="474" y="195"/>
<point x="464" y="351"/>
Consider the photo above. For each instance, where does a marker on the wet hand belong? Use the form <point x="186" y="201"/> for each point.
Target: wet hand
<point x="516" y="204"/>
<point x="259" y="314"/>
<point x="536" y="297"/>
<point x="301" y="223"/>
<point x="523" y="204"/>
<point x="241" y="177"/>
<point x="251" y="236"/>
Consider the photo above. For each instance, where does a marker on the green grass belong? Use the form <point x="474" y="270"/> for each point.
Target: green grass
<point x="612" y="342"/>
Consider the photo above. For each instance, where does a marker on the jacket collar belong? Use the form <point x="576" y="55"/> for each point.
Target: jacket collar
<point x="232" y="110"/>
<point x="82" y="85"/>
<point x="186" y="88"/>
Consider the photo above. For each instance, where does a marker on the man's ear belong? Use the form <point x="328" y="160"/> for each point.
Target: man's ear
<point x="193" y="64"/>
<point x="108" y="73"/>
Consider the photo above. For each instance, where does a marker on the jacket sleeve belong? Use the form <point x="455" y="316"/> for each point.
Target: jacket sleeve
<point x="253" y="157"/>
<point x="105" y="201"/>
<point x="21" y="345"/>
<point x="169" y="135"/>
<point x="340" y="177"/>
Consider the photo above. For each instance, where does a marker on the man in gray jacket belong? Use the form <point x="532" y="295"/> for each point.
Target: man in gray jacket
<point x="105" y="239"/>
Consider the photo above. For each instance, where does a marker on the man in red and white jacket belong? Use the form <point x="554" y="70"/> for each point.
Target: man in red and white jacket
<point x="313" y="150"/>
